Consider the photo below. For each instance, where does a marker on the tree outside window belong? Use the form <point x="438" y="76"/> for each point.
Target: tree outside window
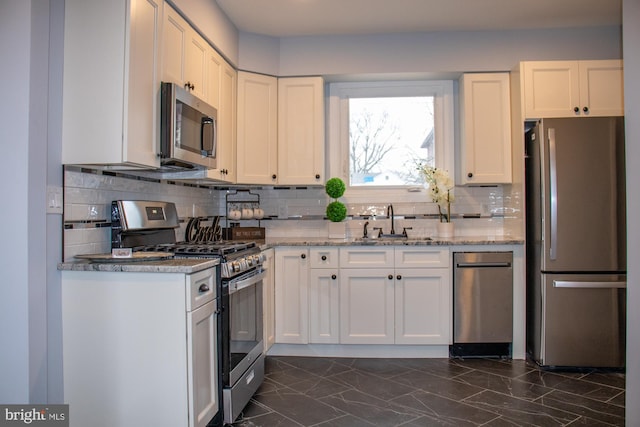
<point x="388" y="137"/>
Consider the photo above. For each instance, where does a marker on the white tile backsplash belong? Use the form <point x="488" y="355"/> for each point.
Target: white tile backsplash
<point x="88" y="196"/>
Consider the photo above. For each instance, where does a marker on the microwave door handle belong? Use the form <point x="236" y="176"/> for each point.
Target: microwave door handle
<point x="206" y="121"/>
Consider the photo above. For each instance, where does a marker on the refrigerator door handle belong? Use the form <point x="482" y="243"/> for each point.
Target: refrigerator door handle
<point x="589" y="285"/>
<point x="553" y="200"/>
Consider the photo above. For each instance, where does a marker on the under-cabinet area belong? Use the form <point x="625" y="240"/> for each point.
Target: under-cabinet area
<point x="375" y="301"/>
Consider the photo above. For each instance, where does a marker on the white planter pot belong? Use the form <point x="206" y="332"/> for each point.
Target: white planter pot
<point x="337" y="230"/>
<point x="446" y="230"/>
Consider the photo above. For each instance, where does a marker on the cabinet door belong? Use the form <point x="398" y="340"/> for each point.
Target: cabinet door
<point x="174" y="41"/>
<point x="202" y="351"/>
<point x="366" y="306"/>
<point x="601" y="88"/>
<point x="422" y="306"/>
<point x="301" y="130"/>
<point x="196" y="60"/>
<point x="324" y="308"/>
<point x="269" y="301"/>
<point x="485" y="129"/>
<point x="257" y="137"/>
<point x="222" y="95"/>
<point x="292" y="303"/>
<point x="186" y="55"/>
<point x="114" y="43"/>
<point x="551" y="89"/>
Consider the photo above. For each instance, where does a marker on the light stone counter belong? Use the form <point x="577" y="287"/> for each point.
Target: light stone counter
<point x="170" y="265"/>
<point x="456" y="241"/>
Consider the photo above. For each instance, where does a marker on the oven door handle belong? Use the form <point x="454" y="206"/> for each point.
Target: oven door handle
<point x="250" y="281"/>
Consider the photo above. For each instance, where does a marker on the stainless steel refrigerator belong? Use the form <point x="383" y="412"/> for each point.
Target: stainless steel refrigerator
<point x="576" y="241"/>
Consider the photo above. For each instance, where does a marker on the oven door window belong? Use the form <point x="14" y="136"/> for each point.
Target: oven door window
<point x="246" y="322"/>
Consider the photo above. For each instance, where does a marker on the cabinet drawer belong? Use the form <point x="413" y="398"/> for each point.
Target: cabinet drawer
<point x="201" y="288"/>
<point x="421" y="257"/>
<point x="324" y="257"/>
<point x="361" y="257"/>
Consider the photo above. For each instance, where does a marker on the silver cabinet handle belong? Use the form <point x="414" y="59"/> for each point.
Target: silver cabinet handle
<point x="589" y="285"/>
<point x="553" y="189"/>
<point x="483" y="264"/>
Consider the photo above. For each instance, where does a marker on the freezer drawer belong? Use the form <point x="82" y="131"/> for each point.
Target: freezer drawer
<point x="483" y="297"/>
<point x="584" y="321"/>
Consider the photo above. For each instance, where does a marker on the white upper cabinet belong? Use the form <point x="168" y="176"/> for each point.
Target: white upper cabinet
<point x="280" y="137"/>
<point x="191" y="62"/>
<point x="110" y="83"/>
<point x="485" y="145"/>
<point x="185" y="55"/>
<point x="572" y="88"/>
<point x="301" y="130"/>
<point x="257" y="137"/>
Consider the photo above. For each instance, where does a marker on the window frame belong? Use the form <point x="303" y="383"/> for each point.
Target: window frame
<point x="338" y="126"/>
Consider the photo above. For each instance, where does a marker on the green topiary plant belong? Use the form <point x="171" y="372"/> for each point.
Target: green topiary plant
<point x="336" y="211"/>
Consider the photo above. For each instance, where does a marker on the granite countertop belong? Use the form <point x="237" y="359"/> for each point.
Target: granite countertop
<point x="325" y="241"/>
<point x="169" y="265"/>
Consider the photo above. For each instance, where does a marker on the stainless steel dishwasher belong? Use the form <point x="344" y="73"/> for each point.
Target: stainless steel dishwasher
<point x="482" y="304"/>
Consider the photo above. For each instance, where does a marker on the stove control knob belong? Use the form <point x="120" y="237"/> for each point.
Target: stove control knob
<point x="236" y="266"/>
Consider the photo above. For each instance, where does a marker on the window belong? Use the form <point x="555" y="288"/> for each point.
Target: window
<point x="388" y="137"/>
<point x="381" y="131"/>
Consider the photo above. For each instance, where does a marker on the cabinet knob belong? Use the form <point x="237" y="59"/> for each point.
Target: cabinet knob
<point x="399" y="277"/>
<point x="317" y="176"/>
<point x="576" y="110"/>
<point x="585" y="109"/>
<point x="333" y="276"/>
<point x="324" y="257"/>
<point x="391" y="277"/>
<point x="303" y="256"/>
<point x="273" y="176"/>
<point x="470" y="175"/>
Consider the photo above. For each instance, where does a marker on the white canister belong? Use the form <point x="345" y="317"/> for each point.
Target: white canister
<point x="247" y="213"/>
<point x="258" y="213"/>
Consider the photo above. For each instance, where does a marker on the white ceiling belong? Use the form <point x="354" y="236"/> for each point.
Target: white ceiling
<point x="286" y="18"/>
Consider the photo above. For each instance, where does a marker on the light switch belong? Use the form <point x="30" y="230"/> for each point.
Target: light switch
<point x="54" y="199"/>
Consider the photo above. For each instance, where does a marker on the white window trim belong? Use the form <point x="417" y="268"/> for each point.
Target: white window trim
<point x="338" y="124"/>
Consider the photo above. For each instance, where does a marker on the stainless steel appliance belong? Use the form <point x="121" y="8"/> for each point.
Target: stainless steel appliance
<point x="576" y="238"/>
<point x="150" y="226"/>
<point x="188" y="130"/>
<point x="482" y="304"/>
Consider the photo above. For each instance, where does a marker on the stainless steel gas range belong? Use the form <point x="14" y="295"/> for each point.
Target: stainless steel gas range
<point x="151" y="226"/>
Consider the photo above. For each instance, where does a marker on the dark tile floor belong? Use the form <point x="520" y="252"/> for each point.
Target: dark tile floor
<point x="347" y="392"/>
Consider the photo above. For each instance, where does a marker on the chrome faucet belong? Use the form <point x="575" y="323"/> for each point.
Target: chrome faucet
<point x="390" y="209"/>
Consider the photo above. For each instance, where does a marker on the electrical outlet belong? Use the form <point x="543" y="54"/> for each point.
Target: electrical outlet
<point x="54" y="199"/>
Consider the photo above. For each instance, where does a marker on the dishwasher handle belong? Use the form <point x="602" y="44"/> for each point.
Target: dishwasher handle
<point x="483" y="264"/>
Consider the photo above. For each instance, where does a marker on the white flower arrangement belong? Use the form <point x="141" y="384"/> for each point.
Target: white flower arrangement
<point x="440" y="187"/>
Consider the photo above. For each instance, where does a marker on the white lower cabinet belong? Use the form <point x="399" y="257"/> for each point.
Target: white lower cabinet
<point x="324" y="296"/>
<point x="292" y="288"/>
<point x="366" y="306"/>
<point x="140" y="348"/>
<point x="422" y="306"/>
<point x="363" y="295"/>
<point x="395" y="296"/>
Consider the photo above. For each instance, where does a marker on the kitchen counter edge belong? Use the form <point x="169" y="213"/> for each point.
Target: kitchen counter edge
<point x="171" y="265"/>
<point x="302" y="241"/>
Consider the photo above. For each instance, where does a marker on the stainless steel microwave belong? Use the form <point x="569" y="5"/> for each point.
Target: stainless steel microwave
<point x="188" y="129"/>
